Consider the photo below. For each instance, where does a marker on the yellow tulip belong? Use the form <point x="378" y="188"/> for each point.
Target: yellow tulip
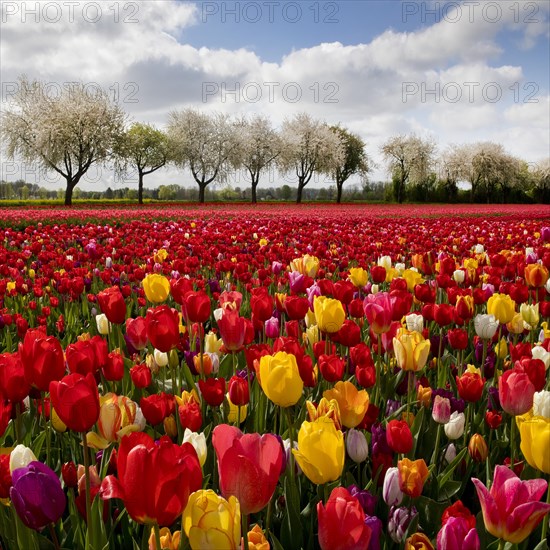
<point x="329" y="313"/>
<point x="502" y="307"/>
<point x="530" y="314"/>
<point x="515" y="326"/>
<point x="156" y="287"/>
<point x="312" y="334"/>
<point x="160" y="256"/>
<point x="326" y="408"/>
<point x="280" y="378"/>
<point x="501" y="349"/>
<point x="411" y="349"/>
<point x="307" y="265"/>
<point x="211" y="522"/>
<point x="353" y="404"/>
<point x="117" y="415"/>
<point x="321" y="450"/>
<point x="535" y="440"/>
<point x="167" y="540"/>
<point x="413" y="278"/>
<point x="57" y="423"/>
<point x="234" y="411"/>
<point x="358" y="276"/>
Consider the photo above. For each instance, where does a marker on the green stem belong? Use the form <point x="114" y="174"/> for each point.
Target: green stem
<point x="18" y="423"/>
<point x="244" y="529"/>
<point x="291" y="438"/>
<point x="512" y="443"/>
<point x="547" y="516"/>
<point x="157" y="536"/>
<point x="483" y="358"/>
<point x="88" y="490"/>
<point x="501" y="544"/>
<point x="435" y="455"/>
<point x="51" y="528"/>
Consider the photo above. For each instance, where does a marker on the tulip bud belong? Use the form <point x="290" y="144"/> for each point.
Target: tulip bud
<point x="21" y="457"/>
<point x="391" y="492"/>
<point x="170" y="426"/>
<point x="455" y="427"/>
<point x="485" y="326"/>
<point x="399" y="521"/>
<point x="414" y="322"/>
<point x="478" y="448"/>
<point x="441" y="412"/>
<point x="161" y="358"/>
<point x="102" y="324"/>
<point x="199" y="443"/>
<point x="238" y="391"/>
<point x="68" y="473"/>
<point x="538" y="352"/>
<point x="458" y="276"/>
<point x="357" y="446"/>
<point x="450" y="453"/>
<point x="272" y="328"/>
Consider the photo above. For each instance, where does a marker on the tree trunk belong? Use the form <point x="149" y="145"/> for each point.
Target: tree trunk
<point x="339" y="186"/>
<point x="202" y="189"/>
<point x="69" y="192"/>
<point x="140" y="187"/>
<point x="254" y="185"/>
<point x="299" y="193"/>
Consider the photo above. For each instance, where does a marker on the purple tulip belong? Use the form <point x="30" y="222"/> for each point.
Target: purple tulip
<point x="37" y="495"/>
<point x="375" y="525"/>
<point x="366" y="500"/>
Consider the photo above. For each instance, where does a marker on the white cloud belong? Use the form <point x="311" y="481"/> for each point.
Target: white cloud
<point x="145" y="57"/>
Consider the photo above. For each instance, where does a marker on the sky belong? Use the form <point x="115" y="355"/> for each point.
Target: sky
<point x="456" y="72"/>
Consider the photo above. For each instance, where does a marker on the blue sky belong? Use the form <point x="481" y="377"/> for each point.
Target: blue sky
<point x="380" y="68"/>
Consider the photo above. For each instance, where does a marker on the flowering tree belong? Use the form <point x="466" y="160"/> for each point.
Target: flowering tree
<point x="204" y="143"/>
<point x="257" y="146"/>
<point x="66" y="134"/>
<point x="143" y="148"/>
<point x="309" y="146"/>
<point x="409" y="159"/>
<point x="353" y="161"/>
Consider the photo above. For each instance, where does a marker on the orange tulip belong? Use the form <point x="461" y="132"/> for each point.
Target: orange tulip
<point x="412" y="476"/>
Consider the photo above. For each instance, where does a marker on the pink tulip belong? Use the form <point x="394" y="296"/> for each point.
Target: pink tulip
<point x="516" y="392"/>
<point x="378" y="310"/>
<point x="511" y="509"/>
<point x="249" y="466"/>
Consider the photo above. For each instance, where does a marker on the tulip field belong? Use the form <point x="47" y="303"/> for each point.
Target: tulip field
<point x="275" y="377"/>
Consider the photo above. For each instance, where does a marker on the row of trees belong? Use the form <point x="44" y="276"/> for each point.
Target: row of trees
<point x="69" y="133"/>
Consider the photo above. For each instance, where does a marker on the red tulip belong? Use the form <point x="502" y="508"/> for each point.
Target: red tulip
<point x="213" y="391"/>
<point x="196" y="307"/>
<point x="157" y="407"/>
<point x="249" y="466"/>
<point x="296" y="307"/>
<point x="76" y="401"/>
<point x="162" y="325"/>
<point x="81" y="357"/>
<point x="232" y="330"/>
<point x="42" y="358"/>
<point x="111" y="301"/>
<point x="136" y="332"/>
<point x="141" y="375"/>
<point x="154" y="480"/>
<point x="113" y="370"/>
<point x="190" y="415"/>
<point x="458" y="338"/>
<point x="332" y="367"/>
<point x="261" y="304"/>
<point x="349" y="334"/>
<point x="238" y="391"/>
<point x="13" y="385"/>
<point x="399" y="436"/>
<point x="342" y="522"/>
<point x="179" y="288"/>
<point x="470" y="386"/>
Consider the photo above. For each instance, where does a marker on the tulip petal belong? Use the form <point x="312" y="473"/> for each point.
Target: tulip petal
<point x="111" y="488"/>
